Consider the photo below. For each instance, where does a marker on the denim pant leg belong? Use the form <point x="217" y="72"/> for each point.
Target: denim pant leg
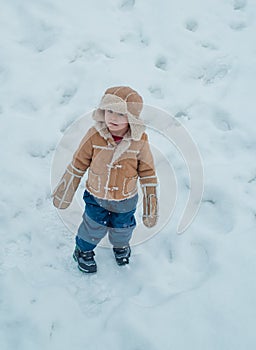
<point x="121" y="228"/>
<point x="95" y="221"/>
<point x="91" y="231"/>
<point x="101" y="216"/>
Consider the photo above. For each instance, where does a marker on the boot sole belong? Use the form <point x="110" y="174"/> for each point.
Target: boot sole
<point x="122" y="263"/>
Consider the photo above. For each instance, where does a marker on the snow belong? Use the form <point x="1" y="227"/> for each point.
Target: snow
<point x="195" y="59"/>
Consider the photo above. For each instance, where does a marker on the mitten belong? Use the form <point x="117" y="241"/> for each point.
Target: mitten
<point x="65" y="190"/>
<point x="150" y="205"/>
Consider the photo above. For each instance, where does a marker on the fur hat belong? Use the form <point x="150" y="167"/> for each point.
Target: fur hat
<point x="122" y="99"/>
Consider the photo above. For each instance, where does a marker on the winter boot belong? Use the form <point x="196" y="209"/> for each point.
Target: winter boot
<point x="85" y="260"/>
<point x="122" y="255"/>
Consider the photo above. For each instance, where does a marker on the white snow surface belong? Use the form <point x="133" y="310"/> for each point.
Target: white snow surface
<point x="193" y="58"/>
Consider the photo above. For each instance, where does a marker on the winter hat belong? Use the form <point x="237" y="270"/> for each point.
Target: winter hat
<point x="125" y="100"/>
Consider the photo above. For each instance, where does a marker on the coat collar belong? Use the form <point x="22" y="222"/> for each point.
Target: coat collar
<point x="121" y="147"/>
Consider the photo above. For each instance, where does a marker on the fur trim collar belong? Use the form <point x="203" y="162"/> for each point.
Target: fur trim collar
<point x="121" y="147"/>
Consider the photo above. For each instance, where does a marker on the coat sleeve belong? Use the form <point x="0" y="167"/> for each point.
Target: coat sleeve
<point x="83" y="155"/>
<point x="146" y="167"/>
<point x="66" y="188"/>
<point x="148" y="182"/>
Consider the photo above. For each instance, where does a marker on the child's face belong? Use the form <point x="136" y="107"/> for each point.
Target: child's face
<point x="117" y="123"/>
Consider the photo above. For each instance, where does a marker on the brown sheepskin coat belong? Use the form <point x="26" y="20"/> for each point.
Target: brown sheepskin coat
<point x="114" y="168"/>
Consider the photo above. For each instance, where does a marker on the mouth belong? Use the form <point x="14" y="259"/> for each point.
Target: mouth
<point x="113" y="124"/>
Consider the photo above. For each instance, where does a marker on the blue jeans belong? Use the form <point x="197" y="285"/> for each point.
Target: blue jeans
<point x="103" y="216"/>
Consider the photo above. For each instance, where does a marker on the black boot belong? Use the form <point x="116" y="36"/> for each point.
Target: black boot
<point x="122" y="255"/>
<point x="85" y="260"/>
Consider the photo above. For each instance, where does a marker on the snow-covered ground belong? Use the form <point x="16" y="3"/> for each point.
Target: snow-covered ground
<point x="195" y="59"/>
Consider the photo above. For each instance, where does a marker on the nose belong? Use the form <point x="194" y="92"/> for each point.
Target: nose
<point x="114" y="117"/>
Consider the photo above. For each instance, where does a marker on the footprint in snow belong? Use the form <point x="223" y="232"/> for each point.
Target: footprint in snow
<point x="182" y="114"/>
<point x="214" y="71"/>
<point x="40" y="150"/>
<point x="221" y="119"/>
<point x="216" y="213"/>
<point x="135" y="38"/>
<point x="161" y="63"/>
<point x="208" y="45"/>
<point x="238" y="25"/>
<point x="191" y="25"/>
<point x="156" y="92"/>
<point x="67" y="95"/>
<point x="183" y="277"/>
<point x="127" y="4"/>
<point x="239" y="4"/>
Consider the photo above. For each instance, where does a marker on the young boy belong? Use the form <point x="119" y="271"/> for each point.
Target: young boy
<point x="116" y="153"/>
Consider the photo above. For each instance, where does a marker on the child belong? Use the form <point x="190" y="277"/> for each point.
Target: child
<point x="116" y="153"/>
